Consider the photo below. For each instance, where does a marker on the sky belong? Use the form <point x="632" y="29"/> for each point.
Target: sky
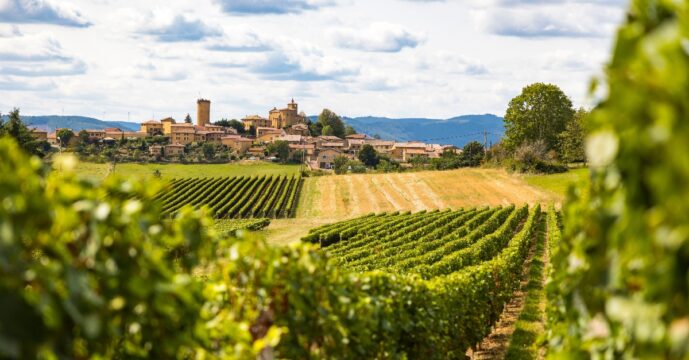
<point x="137" y="60"/>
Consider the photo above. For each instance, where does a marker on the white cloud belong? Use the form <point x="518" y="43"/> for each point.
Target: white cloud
<point x="157" y="70"/>
<point x="179" y="28"/>
<point x="36" y="56"/>
<point x="144" y="58"/>
<point x="377" y="37"/>
<point x="240" y="40"/>
<point x="295" y="60"/>
<point x="571" y="61"/>
<point x="9" y="31"/>
<point x="41" y="11"/>
<point x="565" y="19"/>
<point x="259" y="7"/>
<point x="65" y="68"/>
<point x="39" y="47"/>
<point x="167" y="26"/>
<point x="23" y="85"/>
<point x="447" y="62"/>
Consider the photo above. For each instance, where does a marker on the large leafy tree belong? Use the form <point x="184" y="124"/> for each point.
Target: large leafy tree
<point x="15" y="128"/>
<point x="64" y="136"/>
<point x="572" y="139"/>
<point x="329" y="118"/>
<point x="368" y="155"/>
<point x="622" y="271"/>
<point x="472" y="154"/>
<point x="340" y="164"/>
<point x="540" y="112"/>
<point x="279" y="148"/>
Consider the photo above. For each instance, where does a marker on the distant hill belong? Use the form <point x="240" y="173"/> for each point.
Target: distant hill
<point x="76" y="123"/>
<point x="455" y="131"/>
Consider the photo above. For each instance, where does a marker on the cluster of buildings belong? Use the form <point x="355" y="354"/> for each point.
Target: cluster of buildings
<point x="320" y="152"/>
<point x="287" y="124"/>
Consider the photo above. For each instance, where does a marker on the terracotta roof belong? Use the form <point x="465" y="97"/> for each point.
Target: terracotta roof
<point x="381" y="143"/>
<point x="290" y="138"/>
<point x="151" y="122"/>
<point x="356" y="136"/>
<point x="268" y="129"/>
<point x="332" y="144"/>
<point x="237" y="138"/>
<point x="330" y="137"/>
<point x="410" y="145"/>
<point x="302" y="146"/>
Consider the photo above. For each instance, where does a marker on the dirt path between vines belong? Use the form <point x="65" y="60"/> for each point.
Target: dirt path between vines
<point x="495" y="345"/>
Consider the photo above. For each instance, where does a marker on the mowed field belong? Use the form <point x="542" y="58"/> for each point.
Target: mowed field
<point x="249" y="168"/>
<point x="328" y="199"/>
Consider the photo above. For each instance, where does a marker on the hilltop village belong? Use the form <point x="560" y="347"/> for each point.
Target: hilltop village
<point x="171" y="139"/>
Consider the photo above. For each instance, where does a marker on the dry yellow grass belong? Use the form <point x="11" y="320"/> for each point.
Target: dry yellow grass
<point x="328" y="199"/>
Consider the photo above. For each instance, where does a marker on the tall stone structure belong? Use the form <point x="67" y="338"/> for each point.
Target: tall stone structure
<point x="203" y="112"/>
<point x="286" y="117"/>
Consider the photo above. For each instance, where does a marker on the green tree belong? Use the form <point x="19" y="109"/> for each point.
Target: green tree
<point x="327" y="131"/>
<point x="329" y="118"/>
<point x="297" y="157"/>
<point x="234" y="123"/>
<point x="540" y="112"/>
<point x="279" y="148"/>
<point x="356" y="167"/>
<point x="340" y="164"/>
<point x="209" y="150"/>
<point x="572" y="139"/>
<point x="349" y="130"/>
<point x="64" y="136"/>
<point x="472" y="154"/>
<point x="15" y="128"/>
<point x="387" y="165"/>
<point x="83" y="136"/>
<point x="449" y="159"/>
<point x="187" y="119"/>
<point x="368" y="155"/>
<point x="621" y="273"/>
<point x="315" y="129"/>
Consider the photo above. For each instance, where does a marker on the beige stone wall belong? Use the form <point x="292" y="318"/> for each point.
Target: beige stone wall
<point x="152" y="129"/>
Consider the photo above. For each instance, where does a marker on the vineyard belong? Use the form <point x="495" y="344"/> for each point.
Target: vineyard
<point x="469" y="260"/>
<point x="234" y="197"/>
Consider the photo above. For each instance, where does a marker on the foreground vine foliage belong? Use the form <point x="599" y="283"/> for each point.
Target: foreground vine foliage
<point x="88" y="271"/>
<point x="622" y="272"/>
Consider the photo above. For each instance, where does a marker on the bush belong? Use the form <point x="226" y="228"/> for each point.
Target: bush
<point x="534" y="158"/>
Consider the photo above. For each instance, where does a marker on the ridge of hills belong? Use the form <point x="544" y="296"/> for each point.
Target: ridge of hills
<point x="456" y="131"/>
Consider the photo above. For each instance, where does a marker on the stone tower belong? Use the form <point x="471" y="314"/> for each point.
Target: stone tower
<point x="203" y="112"/>
<point x="292" y="105"/>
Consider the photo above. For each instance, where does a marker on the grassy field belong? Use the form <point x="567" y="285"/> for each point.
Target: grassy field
<point x="328" y="199"/>
<point x="558" y="184"/>
<point x="99" y="171"/>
